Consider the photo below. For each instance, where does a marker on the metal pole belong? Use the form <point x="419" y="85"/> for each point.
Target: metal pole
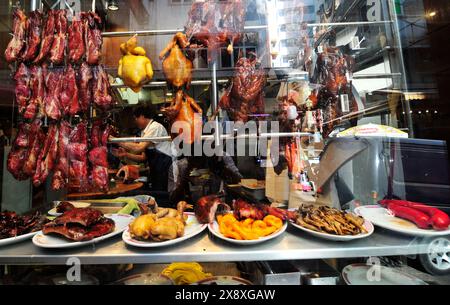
<point x="213" y="137"/>
<point x="214" y="101"/>
<point x="165" y="32"/>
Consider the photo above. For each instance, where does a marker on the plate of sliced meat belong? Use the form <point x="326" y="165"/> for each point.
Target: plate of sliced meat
<point x="79" y="227"/>
<point x="62" y="206"/>
<point x="15" y="228"/>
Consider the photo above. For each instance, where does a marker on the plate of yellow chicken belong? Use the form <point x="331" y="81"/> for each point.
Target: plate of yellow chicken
<point x="163" y="227"/>
<point x="247" y="231"/>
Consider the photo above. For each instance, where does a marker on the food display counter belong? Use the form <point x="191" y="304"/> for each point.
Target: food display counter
<point x="154" y="132"/>
<point x="205" y="248"/>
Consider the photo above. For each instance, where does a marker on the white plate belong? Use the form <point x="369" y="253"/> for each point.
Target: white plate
<point x="367" y="224"/>
<point x="192" y="228"/>
<point x="76" y="204"/>
<point x="16" y="239"/>
<point x="54" y="241"/>
<point x="214" y="229"/>
<point x="362" y="274"/>
<point x="381" y="217"/>
<point x="223" y="280"/>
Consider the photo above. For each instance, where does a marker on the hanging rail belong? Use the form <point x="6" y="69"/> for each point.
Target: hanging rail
<point x="166" y="32"/>
<point x="212" y="137"/>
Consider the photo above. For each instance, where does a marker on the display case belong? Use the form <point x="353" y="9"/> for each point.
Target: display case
<point x="285" y="141"/>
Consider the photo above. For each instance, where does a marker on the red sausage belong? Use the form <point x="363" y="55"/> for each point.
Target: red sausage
<point x="439" y="219"/>
<point x="421" y="219"/>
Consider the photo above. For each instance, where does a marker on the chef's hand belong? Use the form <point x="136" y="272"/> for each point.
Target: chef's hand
<point x="130" y="172"/>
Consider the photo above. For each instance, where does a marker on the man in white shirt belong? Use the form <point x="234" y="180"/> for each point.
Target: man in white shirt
<point x="157" y="154"/>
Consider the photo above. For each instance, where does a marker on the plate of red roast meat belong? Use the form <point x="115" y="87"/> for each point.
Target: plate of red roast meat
<point x="81" y="226"/>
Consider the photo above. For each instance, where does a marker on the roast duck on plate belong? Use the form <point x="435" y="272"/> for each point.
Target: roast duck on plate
<point x="80" y="224"/>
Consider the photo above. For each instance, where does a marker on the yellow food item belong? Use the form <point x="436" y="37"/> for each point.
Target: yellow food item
<point x="248" y="229"/>
<point x="185" y="273"/>
<point x="135" y="68"/>
<point x="141" y="227"/>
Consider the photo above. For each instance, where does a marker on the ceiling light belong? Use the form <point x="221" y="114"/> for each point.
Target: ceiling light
<point x="169" y="94"/>
<point x="432" y="14"/>
<point x="112" y="5"/>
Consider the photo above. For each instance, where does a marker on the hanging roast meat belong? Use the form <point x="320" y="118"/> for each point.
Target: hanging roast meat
<point x="92" y="37"/>
<point x="47" y="156"/>
<point x="76" y="44"/>
<point x="47" y="37"/>
<point x="182" y="112"/>
<point x="98" y="156"/>
<point x="35" y="23"/>
<point x="213" y="24"/>
<point x="245" y="94"/>
<point x="77" y="153"/>
<point x="37" y="85"/>
<point x="176" y="66"/>
<point x="16" y="46"/>
<point x="85" y="76"/>
<point x="69" y="92"/>
<point x="36" y="139"/>
<point x="59" y="41"/>
<point x="61" y="172"/>
<point x="22" y="89"/>
<point x="17" y="155"/>
<point x="53" y="83"/>
<point x="101" y="88"/>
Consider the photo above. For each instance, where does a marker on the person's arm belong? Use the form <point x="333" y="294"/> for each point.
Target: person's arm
<point x="136" y="147"/>
<point x="136" y="158"/>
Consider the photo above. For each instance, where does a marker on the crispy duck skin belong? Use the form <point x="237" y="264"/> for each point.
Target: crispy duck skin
<point x="17" y="155"/>
<point x="85" y="93"/>
<point x="78" y="232"/>
<point x="47" y="157"/>
<point x="243" y="210"/>
<point x="47" y="37"/>
<point x="76" y="45"/>
<point x="69" y="92"/>
<point x="37" y="85"/>
<point x="16" y="46"/>
<point x="34" y="35"/>
<point x="206" y="208"/>
<point x="82" y="216"/>
<point x="59" y="41"/>
<point x="53" y="83"/>
<point x="22" y="89"/>
<point x="61" y="174"/>
<point x="12" y="225"/>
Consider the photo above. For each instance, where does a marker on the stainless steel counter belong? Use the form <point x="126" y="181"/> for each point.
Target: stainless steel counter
<point x="205" y="248"/>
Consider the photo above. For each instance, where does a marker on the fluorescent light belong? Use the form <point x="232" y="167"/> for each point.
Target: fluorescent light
<point x="432" y="14"/>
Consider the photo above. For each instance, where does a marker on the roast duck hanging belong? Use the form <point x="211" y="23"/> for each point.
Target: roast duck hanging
<point x="213" y="24"/>
<point x="176" y="66"/>
<point x="135" y="68"/>
<point x="244" y="96"/>
<point x="183" y="111"/>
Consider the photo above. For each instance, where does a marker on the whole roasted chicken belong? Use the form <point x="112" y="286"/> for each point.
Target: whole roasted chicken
<point x="245" y="94"/>
<point x="135" y="68"/>
<point x="182" y="115"/>
<point x="161" y="223"/>
<point x="213" y="23"/>
<point x="176" y="66"/>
